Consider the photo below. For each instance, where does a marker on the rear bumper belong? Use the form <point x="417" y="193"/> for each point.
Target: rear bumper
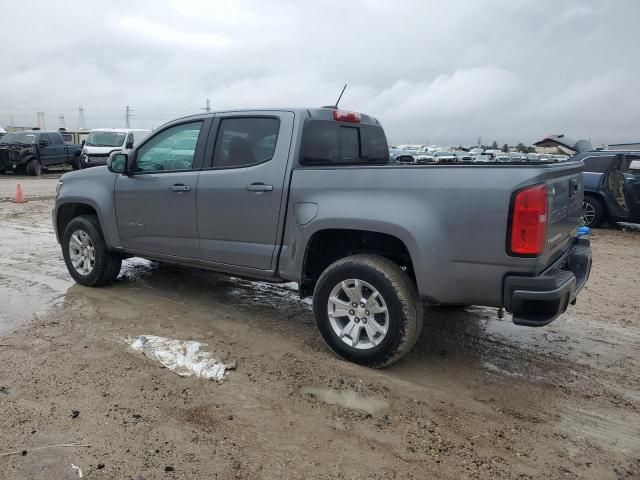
<point x="537" y="301"/>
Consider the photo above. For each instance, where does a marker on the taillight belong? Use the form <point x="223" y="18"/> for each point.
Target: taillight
<point x="529" y="221"/>
<point x="344" y="116"/>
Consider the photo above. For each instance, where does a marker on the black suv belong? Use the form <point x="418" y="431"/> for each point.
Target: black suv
<point x="611" y="186"/>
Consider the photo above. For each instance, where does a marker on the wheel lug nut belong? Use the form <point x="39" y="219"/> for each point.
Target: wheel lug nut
<point x="354" y="304"/>
<point x="357" y="320"/>
<point x="362" y="304"/>
<point x="364" y="320"/>
<point x="352" y="312"/>
<point x="366" y="312"/>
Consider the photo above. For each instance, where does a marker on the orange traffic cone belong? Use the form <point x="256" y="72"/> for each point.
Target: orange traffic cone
<point x="19" y="194"/>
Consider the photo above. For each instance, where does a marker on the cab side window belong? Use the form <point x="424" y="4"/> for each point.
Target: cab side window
<point x="56" y="139"/>
<point x="242" y="142"/>
<point x="170" y="150"/>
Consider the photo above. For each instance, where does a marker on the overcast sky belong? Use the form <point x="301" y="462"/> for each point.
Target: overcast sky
<point x="430" y="71"/>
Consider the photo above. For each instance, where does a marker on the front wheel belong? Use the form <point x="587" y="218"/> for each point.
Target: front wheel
<point x="34" y="167"/>
<point x="85" y="252"/>
<point x="367" y="310"/>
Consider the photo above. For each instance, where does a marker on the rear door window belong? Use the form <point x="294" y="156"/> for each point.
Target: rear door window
<point x="56" y="139"/>
<point x="245" y="141"/>
<point x="597" y="164"/>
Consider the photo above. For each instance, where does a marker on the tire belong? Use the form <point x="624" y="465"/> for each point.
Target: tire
<point x="75" y="163"/>
<point x="34" y="167"/>
<point x="106" y="265"/>
<point x="594" y="210"/>
<point x="399" y="310"/>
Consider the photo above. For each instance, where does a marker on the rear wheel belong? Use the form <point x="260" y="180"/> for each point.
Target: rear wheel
<point x="85" y="252"/>
<point x="34" y="167"/>
<point x="367" y="310"/>
<point x="593" y="212"/>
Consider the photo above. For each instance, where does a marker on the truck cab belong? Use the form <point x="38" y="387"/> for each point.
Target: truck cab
<point x="102" y="142"/>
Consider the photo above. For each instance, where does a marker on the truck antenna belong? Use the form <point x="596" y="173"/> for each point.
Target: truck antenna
<point x="340" y="97"/>
<point x="335" y="107"/>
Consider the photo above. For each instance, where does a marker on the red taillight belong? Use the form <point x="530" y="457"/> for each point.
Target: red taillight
<point x="344" y="116"/>
<point x="529" y="221"/>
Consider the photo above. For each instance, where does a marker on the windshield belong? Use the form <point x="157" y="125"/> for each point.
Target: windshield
<point x="105" y="139"/>
<point x="19" y="137"/>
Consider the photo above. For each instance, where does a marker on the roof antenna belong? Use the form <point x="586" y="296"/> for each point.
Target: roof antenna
<point x="335" y="107"/>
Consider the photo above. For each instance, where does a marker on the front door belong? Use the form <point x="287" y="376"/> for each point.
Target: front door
<point x="240" y="194"/>
<point x="47" y="149"/>
<point x="156" y="202"/>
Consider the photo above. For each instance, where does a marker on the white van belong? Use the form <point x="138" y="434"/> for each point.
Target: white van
<point x="102" y="142"/>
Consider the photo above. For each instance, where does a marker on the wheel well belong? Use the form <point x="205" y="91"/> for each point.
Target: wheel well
<point x="327" y="246"/>
<point x="68" y="212"/>
<point x="600" y="198"/>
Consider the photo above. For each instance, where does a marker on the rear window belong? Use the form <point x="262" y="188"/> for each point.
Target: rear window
<point x="598" y="164"/>
<point x="332" y="143"/>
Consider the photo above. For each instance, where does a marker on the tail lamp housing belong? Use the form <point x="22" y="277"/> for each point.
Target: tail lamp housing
<point x="528" y="228"/>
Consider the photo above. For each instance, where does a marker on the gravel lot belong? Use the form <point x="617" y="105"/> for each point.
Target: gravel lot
<point x="478" y="397"/>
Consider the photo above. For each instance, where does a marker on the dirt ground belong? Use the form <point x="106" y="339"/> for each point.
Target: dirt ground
<point x="477" y="398"/>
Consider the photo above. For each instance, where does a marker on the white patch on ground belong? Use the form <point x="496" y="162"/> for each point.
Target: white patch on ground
<point x="348" y="399"/>
<point x="184" y="357"/>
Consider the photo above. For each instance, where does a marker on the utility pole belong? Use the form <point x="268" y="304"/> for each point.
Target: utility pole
<point x="127" y="116"/>
<point x="41" y="120"/>
<point x="207" y="106"/>
<point x="80" y="118"/>
<point x="61" y="121"/>
<point x="479" y="141"/>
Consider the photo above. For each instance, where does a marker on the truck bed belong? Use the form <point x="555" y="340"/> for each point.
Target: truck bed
<point x="452" y="218"/>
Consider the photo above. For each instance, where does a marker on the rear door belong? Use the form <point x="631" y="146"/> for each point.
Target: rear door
<point x="156" y="203"/>
<point x="240" y="194"/>
<point x="631" y="186"/>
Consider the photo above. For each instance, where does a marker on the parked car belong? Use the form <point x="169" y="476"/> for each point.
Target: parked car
<point x="610" y="186"/>
<point x="102" y="142"/>
<point x="31" y="150"/>
<point x="405" y="156"/>
<point x="325" y="207"/>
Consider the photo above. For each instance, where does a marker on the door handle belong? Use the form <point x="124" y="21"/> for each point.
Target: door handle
<point x="259" y="187"/>
<point x="179" y="187"/>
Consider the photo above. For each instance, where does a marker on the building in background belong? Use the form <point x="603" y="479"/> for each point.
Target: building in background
<point x="561" y="145"/>
<point x="624" y="146"/>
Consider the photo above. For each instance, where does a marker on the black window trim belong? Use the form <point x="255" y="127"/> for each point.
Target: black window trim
<point x="201" y="144"/>
<point x="215" y="131"/>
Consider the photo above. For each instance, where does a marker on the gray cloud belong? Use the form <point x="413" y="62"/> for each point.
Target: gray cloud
<point x="443" y="72"/>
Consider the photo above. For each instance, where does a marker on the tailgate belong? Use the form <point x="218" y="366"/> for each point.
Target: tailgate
<point x="565" y="196"/>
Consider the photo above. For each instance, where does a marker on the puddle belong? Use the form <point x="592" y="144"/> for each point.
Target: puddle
<point x="348" y="399"/>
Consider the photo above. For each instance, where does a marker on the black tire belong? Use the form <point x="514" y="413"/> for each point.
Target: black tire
<point x="75" y="163"/>
<point x="599" y="211"/>
<point x="400" y="296"/>
<point x="106" y="265"/>
<point x="34" y="167"/>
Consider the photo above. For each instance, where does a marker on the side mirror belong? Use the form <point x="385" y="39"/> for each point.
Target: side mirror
<point x="83" y="142"/>
<point x="117" y="162"/>
<point x="129" y="145"/>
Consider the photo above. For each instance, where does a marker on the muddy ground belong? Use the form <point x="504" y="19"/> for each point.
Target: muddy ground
<point x="477" y="398"/>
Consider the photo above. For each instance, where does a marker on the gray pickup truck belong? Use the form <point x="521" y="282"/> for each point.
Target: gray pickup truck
<point x="310" y="196"/>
